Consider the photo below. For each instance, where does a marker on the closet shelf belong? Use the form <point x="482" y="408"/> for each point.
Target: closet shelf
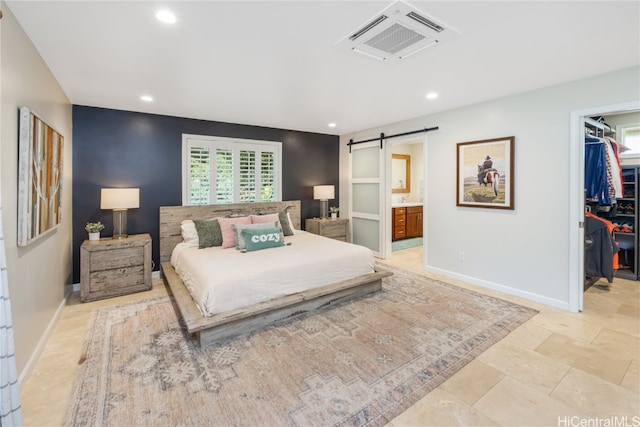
<point x="596" y="128"/>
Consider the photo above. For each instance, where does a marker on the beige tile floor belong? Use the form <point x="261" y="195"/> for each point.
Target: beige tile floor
<point x="557" y="369"/>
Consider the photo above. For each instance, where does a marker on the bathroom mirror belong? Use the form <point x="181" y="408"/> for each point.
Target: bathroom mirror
<point x="400" y="173"/>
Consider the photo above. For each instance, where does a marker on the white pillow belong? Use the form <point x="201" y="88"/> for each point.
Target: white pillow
<point x="189" y="233"/>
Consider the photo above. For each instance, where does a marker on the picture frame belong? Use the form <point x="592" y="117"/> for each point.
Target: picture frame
<point x="484" y="173"/>
<point x="41" y="151"/>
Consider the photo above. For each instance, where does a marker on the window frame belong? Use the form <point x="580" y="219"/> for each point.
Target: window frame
<point x="235" y="144"/>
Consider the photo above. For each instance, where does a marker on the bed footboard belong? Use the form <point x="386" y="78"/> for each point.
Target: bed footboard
<point x="209" y="330"/>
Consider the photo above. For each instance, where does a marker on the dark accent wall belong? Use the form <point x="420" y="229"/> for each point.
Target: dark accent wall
<point x="113" y="148"/>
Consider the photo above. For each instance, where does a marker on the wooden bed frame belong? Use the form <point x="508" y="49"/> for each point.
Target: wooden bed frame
<point x="210" y="329"/>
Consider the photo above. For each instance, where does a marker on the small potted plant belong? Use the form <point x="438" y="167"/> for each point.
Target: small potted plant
<point x="94" y="228"/>
<point x="334" y="211"/>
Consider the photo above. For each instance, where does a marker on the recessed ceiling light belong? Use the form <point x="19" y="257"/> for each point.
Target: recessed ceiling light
<point x="166" y="16"/>
<point x="146" y="98"/>
<point x="332" y="125"/>
<point x="432" y="95"/>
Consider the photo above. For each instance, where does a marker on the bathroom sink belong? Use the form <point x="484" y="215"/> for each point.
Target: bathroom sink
<point x="405" y="204"/>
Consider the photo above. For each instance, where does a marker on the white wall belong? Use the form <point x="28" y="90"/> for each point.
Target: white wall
<point x="524" y="251"/>
<point x="37" y="273"/>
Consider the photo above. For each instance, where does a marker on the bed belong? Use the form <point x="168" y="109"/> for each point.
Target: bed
<point x="212" y="319"/>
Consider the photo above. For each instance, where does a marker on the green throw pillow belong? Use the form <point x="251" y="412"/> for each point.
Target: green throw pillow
<point x="284" y="221"/>
<point x="257" y="239"/>
<point x="209" y="233"/>
<point x="238" y="228"/>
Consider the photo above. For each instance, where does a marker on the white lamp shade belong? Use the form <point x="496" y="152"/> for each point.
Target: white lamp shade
<point x="324" y="192"/>
<point x="119" y="198"/>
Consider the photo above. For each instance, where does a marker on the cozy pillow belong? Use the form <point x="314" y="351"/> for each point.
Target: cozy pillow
<point x="228" y="236"/>
<point x="237" y="229"/>
<point x="189" y="232"/>
<point x="263" y="238"/>
<point x="209" y="233"/>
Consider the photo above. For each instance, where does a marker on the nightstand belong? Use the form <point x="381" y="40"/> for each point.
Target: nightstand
<point x="113" y="267"/>
<point x="337" y="228"/>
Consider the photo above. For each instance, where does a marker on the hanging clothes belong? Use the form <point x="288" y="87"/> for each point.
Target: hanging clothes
<point x="601" y="249"/>
<point x="595" y="171"/>
<point x="616" y="149"/>
<point x="603" y="172"/>
<point x="614" y="171"/>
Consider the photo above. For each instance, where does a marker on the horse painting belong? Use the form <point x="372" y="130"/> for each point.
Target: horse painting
<point x="489" y="177"/>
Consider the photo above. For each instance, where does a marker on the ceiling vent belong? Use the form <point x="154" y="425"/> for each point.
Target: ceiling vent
<point x="396" y="33"/>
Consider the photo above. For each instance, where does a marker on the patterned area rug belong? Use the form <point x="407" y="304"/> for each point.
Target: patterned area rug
<point x="360" y="363"/>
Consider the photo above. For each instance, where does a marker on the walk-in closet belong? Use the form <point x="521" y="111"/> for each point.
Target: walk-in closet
<point x="612" y="189"/>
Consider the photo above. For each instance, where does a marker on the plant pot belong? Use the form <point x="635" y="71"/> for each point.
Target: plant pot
<point x="94" y="236"/>
<point x="334" y="215"/>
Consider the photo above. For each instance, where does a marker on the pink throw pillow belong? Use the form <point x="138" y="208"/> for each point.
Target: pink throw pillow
<point x="260" y="219"/>
<point x="228" y="236"/>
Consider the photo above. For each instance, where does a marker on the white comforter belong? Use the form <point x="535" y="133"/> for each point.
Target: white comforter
<point x="221" y="280"/>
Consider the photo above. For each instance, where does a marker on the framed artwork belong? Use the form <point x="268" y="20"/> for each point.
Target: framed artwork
<point x="39" y="178"/>
<point x="484" y="172"/>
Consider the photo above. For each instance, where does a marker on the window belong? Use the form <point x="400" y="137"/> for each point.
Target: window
<point x="631" y="139"/>
<point x="226" y="170"/>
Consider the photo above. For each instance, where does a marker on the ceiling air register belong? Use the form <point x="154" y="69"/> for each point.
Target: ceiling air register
<point x="396" y="33"/>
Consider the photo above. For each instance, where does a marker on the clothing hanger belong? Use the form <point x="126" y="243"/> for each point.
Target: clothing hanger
<point x="593" y="140"/>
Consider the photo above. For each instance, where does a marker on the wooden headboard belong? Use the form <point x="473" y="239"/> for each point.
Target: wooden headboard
<point x="172" y="216"/>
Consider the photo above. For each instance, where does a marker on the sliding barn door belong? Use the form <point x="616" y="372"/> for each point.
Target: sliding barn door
<point x="367" y="196"/>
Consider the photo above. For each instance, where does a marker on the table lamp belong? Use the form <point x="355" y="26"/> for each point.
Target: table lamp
<point x="324" y="193"/>
<point x="119" y="199"/>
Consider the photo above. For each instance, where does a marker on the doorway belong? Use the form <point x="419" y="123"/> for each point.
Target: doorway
<point x="577" y="199"/>
<point x="406" y="206"/>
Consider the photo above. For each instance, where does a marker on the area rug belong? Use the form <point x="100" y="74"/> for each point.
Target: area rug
<point x="360" y="363"/>
<point x="399" y="245"/>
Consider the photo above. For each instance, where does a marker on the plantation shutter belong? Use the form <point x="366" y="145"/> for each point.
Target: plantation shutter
<point x="224" y="176"/>
<point x="200" y="172"/>
<point x="247" y="176"/>
<point x="223" y="170"/>
<point x="267" y="176"/>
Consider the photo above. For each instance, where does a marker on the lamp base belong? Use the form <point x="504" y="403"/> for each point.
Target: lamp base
<point x="120" y="224"/>
<point x="324" y="208"/>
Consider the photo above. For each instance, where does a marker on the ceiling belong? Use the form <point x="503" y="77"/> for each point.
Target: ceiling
<point x="275" y="64"/>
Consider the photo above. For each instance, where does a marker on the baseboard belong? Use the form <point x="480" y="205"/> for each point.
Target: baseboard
<point x="43" y="340"/>
<point x="564" y="305"/>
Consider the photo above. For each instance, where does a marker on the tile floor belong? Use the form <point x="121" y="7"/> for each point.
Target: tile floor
<point x="558" y="369"/>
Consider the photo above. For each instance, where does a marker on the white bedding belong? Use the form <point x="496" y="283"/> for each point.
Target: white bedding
<point x="221" y="280"/>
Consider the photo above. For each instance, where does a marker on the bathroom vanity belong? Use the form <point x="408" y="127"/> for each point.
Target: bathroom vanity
<point x="407" y="220"/>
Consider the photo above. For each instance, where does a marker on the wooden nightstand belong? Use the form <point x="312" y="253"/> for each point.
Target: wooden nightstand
<point x="333" y="228"/>
<point x="113" y="267"/>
